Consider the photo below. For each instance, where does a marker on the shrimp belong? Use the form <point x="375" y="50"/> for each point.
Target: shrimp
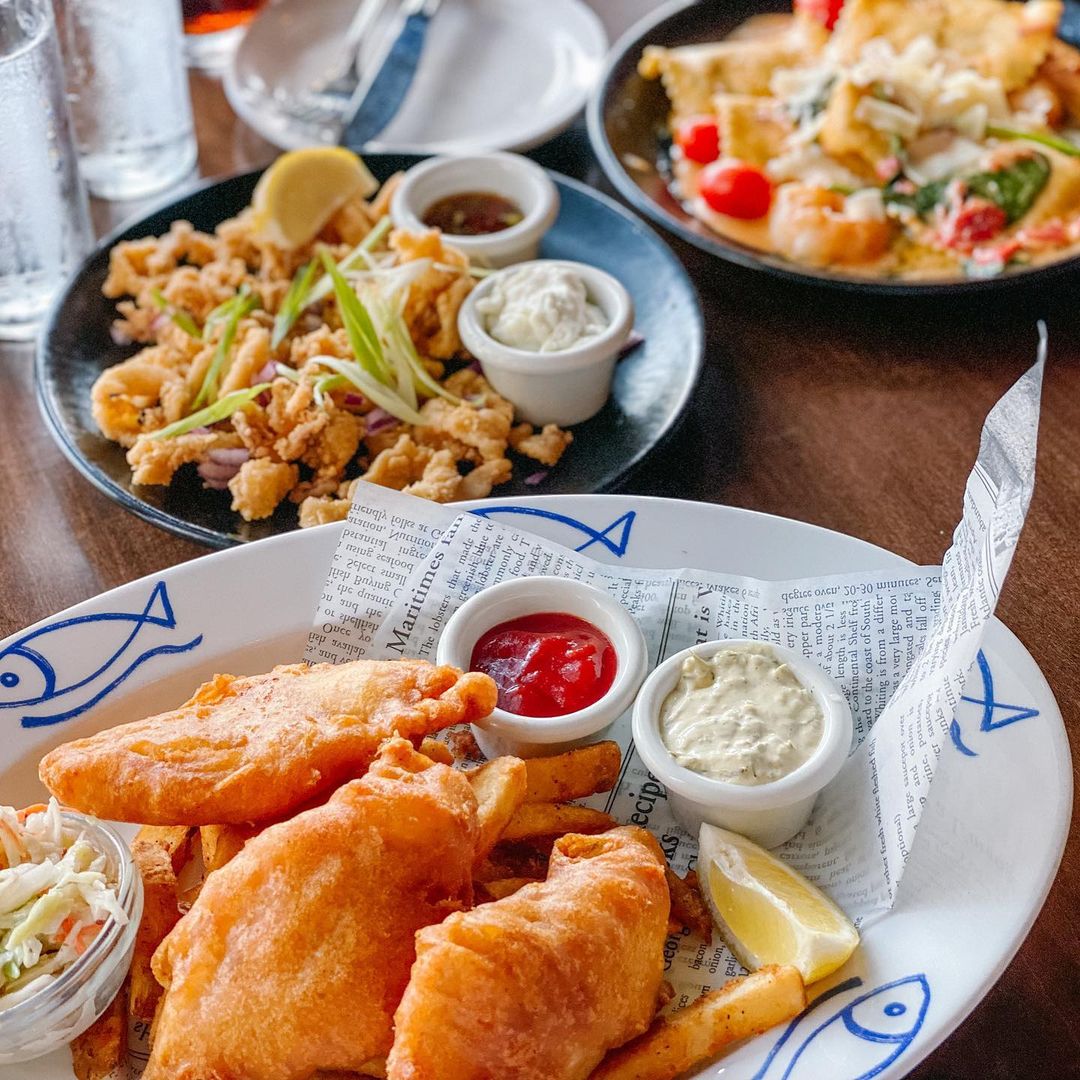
<point x="815" y="226"/>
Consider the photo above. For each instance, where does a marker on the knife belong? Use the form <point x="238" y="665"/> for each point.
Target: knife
<point x="382" y="96"/>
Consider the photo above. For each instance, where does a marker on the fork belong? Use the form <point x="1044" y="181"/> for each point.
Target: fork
<point x="325" y="101"/>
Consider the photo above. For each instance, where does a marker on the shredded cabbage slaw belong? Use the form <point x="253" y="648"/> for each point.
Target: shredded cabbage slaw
<point x="55" y="897"/>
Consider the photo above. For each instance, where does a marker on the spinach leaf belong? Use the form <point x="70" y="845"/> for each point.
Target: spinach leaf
<point x="922" y="200"/>
<point x="1015" y="188"/>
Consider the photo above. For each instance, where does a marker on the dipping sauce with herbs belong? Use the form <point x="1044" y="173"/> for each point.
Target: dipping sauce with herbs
<point x="472" y="213"/>
<point x="742" y="716"/>
<point x="546" y="664"/>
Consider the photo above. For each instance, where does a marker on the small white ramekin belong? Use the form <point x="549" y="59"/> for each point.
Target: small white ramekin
<point x="78" y="996"/>
<point x="530" y="736"/>
<point x="512" y="176"/>
<point x="565" y="387"/>
<point x="768" y="813"/>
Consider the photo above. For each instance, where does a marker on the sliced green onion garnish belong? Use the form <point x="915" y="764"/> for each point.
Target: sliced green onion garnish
<point x="287" y="372"/>
<point x="177" y="315"/>
<point x="326" y="383"/>
<point x="296" y="299"/>
<point x="220" y="410"/>
<point x="325" y="286"/>
<point x="358" y="325"/>
<point x="383" y="318"/>
<point x="398" y="333"/>
<point x="242" y="304"/>
<point x="1055" y="142"/>
<point x="374" y="391"/>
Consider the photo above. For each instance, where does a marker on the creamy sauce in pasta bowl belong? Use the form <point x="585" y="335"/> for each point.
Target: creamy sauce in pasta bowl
<point x="630" y="121"/>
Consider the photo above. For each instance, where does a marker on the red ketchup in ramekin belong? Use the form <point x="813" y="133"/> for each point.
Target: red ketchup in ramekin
<point x="549" y="663"/>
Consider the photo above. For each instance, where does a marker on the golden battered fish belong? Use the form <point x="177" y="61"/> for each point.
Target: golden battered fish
<point x="296" y="953"/>
<point x="539" y="985"/>
<point x="247" y="749"/>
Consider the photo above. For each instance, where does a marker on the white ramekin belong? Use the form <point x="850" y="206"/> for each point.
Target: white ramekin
<point x="565" y="387"/>
<point x="768" y="813"/>
<point x="510" y="175"/>
<point x="78" y="996"/>
<point x="530" y="736"/>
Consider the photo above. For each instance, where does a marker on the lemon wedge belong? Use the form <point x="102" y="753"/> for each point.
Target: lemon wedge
<point x="769" y="913"/>
<point x="303" y="189"/>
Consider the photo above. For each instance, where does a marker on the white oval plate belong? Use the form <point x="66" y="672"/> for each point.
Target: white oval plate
<point x="494" y="74"/>
<point x="1005" y="785"/>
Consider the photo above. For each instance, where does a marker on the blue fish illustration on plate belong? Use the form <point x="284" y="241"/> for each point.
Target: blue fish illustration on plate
<point x="113" y="644"/>
<point x="994" y="714"/>
<point x="857" y="1041"/>
<point x="615" y="537"/>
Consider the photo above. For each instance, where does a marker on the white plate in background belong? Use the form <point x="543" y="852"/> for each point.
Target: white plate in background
<point x="1003" y="786"/>
<point x="494" y="74"/>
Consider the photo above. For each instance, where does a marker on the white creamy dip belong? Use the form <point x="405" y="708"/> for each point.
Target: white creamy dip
<point x="740" y="715"/>
<point x="540" y="308"/>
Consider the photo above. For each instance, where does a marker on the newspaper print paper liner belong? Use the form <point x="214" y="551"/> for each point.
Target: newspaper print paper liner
<point x="978" y="875"/>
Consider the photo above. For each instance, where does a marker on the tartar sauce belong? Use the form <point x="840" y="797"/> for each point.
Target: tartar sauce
<point x="540" y="309"/>
<point x="740" y="715"/>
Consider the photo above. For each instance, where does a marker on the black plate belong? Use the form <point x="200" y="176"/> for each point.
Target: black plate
<point x="627" y="119"/>
<point x="653" y="383"/>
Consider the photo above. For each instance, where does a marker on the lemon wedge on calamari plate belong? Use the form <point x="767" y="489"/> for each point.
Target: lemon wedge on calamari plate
<point x="769" y="913"/>
<point x="303" y="189"/>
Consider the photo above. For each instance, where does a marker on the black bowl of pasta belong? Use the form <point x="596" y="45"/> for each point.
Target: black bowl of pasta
<point x="900" y="147"/>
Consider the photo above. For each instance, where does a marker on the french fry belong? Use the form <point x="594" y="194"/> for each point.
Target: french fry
<point x="174" y="840"/>
<point x="687" y="907"/>
<point x="555" y="819"/>
<point x="160" y="914"/>
<point x="739" y="1009"/>
<point x="499" y="787"/>
<point x="220" y="843"/>
<point x="437" y="751"/>
<point x="100" y="1052"/>
<point x="500" y="887"/>
<point x="573" y="775"/>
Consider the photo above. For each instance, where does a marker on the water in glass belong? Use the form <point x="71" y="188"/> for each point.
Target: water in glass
<point x="129" y="94"/>
<point x="44" y="219"/>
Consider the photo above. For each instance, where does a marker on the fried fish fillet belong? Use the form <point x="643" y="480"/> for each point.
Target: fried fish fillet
<point x="539" y="985"/>
<point x="296" y="953"/>
<point x="246" y="749"/>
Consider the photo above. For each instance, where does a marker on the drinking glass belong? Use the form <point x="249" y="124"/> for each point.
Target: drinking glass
<point x="212" y="29"/>
<point x="44" y="218"/>
<point x="128" y="91"/>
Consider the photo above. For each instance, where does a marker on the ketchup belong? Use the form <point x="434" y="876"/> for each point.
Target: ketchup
<point x="547" y="664"/>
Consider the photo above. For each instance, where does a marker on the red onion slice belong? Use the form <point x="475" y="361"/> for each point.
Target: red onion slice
<point x="535" y="478"/>
<point x="378" y="420"/>
<point x="229" y="455"/>
<point x="265" y="374"/>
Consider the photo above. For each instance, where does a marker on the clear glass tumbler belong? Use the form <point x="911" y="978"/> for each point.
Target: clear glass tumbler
<point x="128" y="91"/>
<point x="44" y="218"/>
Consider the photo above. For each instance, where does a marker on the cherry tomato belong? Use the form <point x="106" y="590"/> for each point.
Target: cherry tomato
<point x="974" y="221"/>
<point x="825" y="12"/>
<point x="736" y="189"/>
<point x="699" y="138"/>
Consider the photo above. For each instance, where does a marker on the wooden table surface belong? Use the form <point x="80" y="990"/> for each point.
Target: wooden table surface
<point x="863" y="418"/>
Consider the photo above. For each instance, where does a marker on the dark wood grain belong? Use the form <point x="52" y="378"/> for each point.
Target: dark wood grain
<point x="863" y="418"/>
